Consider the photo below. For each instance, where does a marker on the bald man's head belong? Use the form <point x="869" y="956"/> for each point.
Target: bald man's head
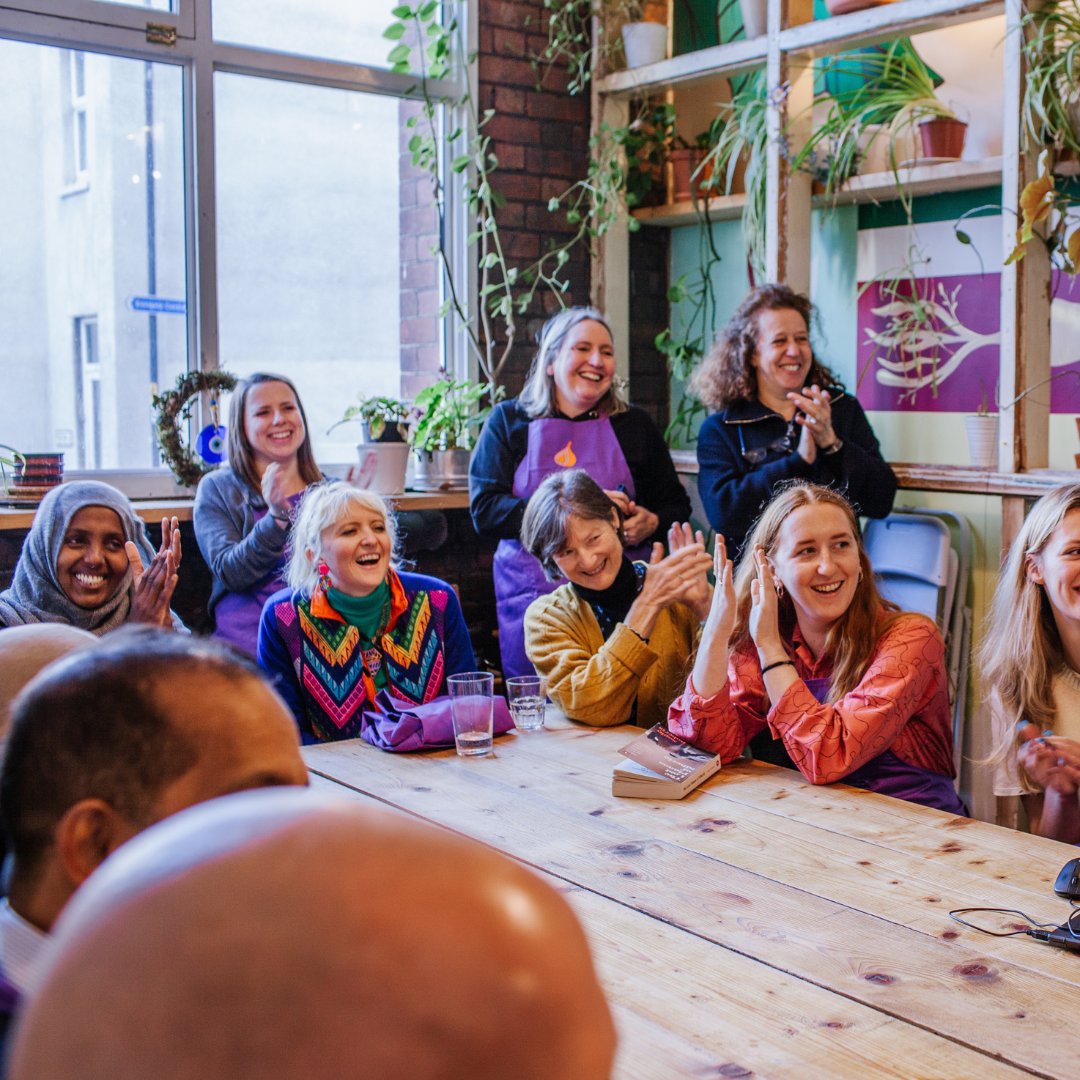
<point x="25" y="650"/>
<point x="280" y="935"/>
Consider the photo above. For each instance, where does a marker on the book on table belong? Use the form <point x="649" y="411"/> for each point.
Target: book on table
<point x="661" y="765"/>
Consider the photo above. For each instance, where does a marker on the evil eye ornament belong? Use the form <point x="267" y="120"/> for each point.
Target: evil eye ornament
<point x="210" y="444"/>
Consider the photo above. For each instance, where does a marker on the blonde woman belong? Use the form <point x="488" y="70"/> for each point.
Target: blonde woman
<point x="1030" y="665"/>
<point x="350" y="624"/>
<point x="804" y="661"/>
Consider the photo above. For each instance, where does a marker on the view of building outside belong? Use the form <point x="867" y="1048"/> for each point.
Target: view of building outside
<point x="94" y="305"/>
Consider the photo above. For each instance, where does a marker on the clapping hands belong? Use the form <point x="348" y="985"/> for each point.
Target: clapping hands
<point x="153" y="586"/>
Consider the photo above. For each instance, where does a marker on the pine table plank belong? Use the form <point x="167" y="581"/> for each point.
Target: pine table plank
<point x="734" y="879"/>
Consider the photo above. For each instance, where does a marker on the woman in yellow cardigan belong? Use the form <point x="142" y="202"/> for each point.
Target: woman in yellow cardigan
<point x="614" y="643"/>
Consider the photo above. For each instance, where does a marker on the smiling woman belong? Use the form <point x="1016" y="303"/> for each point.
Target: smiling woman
<point x="350" y="624"/>
<point x="614" y="643"/>
<point x="802" y="660"/>
<point x="88" y="562"/>
<point x="569" y="414"/>
<point x="243" y="511"/>
<point x="781" y="415"/>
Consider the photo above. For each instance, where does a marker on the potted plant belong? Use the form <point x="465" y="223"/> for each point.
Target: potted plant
<point x="883" y="91"/>
<point x="982" y="435"/>
<point x="383" y="452"/>
<point x="448" y="414"/>
<point x="644" y="30"/>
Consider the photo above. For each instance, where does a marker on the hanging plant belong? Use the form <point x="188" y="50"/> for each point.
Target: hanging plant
<point x="173" y="408"/>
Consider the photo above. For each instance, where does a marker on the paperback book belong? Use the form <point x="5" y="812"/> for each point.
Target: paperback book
<point x="660" y="765"/>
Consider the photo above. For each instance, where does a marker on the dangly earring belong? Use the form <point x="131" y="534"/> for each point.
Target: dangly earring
<point x="324" y="576"/>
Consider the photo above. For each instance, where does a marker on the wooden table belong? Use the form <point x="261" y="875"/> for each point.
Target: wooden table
<point x="763" y="926"/>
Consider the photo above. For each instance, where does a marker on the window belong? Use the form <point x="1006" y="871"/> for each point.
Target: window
<point x="243" y="199"/>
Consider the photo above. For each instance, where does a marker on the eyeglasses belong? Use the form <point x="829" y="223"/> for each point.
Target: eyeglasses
<point x="758" y="454"/>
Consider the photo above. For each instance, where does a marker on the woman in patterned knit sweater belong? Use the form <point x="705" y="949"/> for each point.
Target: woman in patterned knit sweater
<point x="350" y="624"/>
<point x="1030" y="661"/>
<point x="803" y="660"/>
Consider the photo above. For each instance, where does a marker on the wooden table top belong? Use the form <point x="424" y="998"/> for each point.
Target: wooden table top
<point x="763" y="926"/>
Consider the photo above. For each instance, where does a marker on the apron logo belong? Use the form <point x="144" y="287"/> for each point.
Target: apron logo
<point x="566" y="456"/>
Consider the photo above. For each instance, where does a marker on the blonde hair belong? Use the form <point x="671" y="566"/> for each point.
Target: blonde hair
<point x="537" y="398"/>
<point x="853" y="637"/>
<point x="322" y="505"/>
<point x="1021" y="650"/>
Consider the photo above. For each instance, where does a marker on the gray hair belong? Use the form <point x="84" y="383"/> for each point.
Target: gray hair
<point x="569" y="491"/>
<point x="537" y="397"/>
<point x="322" y="505"/>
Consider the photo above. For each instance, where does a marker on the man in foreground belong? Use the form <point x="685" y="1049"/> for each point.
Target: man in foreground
<point x="285" y="935"/>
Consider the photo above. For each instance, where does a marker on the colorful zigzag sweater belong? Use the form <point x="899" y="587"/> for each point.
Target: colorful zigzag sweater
<point x="317" y="663"/>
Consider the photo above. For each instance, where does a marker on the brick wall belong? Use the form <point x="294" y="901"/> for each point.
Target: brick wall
<point x="541" y="139"/>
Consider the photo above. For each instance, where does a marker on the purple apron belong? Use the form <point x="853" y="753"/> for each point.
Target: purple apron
<point x="237" y="615"/>
<point x="553" y="443"/>
<point x="888" y="775"/>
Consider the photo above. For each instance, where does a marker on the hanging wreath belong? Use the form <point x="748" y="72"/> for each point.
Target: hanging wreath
<point x="173" y="408"/>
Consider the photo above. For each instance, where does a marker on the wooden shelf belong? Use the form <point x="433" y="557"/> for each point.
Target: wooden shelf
<point x="921" y="180"/>
<point x="821" y="37"/>
<point x="873" y="187"/>
<point x="720" y="208"/>
<point x="916" y="476"/>
<point x="871" y="26"/>
<point x="14" y="518"/>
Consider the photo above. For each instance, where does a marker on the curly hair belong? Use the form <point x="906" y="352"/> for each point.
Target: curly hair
<point x="727" y="372"/>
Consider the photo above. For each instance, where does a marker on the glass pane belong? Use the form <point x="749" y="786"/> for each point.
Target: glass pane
<point x="345" y="30"/>
<point x="92" y="220"/>
<point x="324" y="238"/>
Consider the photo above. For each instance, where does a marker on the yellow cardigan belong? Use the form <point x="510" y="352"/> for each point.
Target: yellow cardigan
<point x="597" y="681"/>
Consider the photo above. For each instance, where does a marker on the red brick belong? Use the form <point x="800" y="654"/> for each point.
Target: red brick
<point x="418" y="332"/>
<point x="519" y="186"/>
<point x="408" y="303"/>
<point x="511" y="157"/>
<point x="509" y="101"/>
<point x="506" y="71"/>
<point x="512" y="129"/>
<point x="548" y="106"/>
<point x="512" y="214"/>
<point x="419" y="275"/>
<point x="511" y="43"/>
<point x="548" y="162"/>
<point x="522" y="246"/>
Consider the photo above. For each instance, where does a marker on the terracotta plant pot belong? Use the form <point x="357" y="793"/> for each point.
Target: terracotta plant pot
<point x="942" y="137"/>
<point x="683" y="163"/>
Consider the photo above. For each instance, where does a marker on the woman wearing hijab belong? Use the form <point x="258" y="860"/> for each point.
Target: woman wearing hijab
<point x="88" y="562"/>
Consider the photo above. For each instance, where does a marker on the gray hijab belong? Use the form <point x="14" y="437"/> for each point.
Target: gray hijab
<point x="35" y="595"/>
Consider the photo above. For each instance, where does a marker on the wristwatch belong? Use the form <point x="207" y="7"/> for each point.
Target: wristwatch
<point x="836" y="447"/>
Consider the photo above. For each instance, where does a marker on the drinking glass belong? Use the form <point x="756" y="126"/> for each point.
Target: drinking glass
<point x="471" y="708"/>
<point x="526" y="694"/>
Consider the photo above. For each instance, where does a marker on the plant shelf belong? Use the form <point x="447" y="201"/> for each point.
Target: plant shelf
<point x="921" y="180"/>
<point x="719" y="208"/>
<point x="822" y="37"/>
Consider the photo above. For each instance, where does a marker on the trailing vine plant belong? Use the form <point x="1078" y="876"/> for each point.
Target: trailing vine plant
<point x="430" y="43"/>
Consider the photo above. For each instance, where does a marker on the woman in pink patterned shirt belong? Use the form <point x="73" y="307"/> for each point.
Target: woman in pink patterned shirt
<point x="804" y="661"/>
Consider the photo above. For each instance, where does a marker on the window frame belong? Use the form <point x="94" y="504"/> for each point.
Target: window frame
<point x="92" y="26"/>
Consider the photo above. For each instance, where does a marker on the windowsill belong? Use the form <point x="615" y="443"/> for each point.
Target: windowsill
<point x="152" y="510"/>
<point x="77" y="188"/>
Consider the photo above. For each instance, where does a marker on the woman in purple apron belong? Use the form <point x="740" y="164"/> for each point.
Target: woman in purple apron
<point x="804" y="661"/>
<point x="244" y="511"/>
<point x="568" y="416"/>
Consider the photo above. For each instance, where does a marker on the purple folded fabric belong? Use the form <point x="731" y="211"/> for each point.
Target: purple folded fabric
<point x="402" y="727"/>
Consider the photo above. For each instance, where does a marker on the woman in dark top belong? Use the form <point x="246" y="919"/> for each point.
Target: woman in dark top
<point x="781" y="415"/>
<point x="569" y="415"/>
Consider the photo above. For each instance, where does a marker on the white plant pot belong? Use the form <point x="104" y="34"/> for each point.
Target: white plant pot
<point x="982" y="434"/>
<point x="644" y="43"/>
<point x="753" y="17"/>
<point x="382" y="467"/>
<point x="441" y="470"/>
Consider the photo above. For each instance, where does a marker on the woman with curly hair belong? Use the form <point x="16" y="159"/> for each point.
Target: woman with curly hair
<point x="804" y="661"/>
<point x="1030" y="665"/>
<point x="780" y="415"/>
